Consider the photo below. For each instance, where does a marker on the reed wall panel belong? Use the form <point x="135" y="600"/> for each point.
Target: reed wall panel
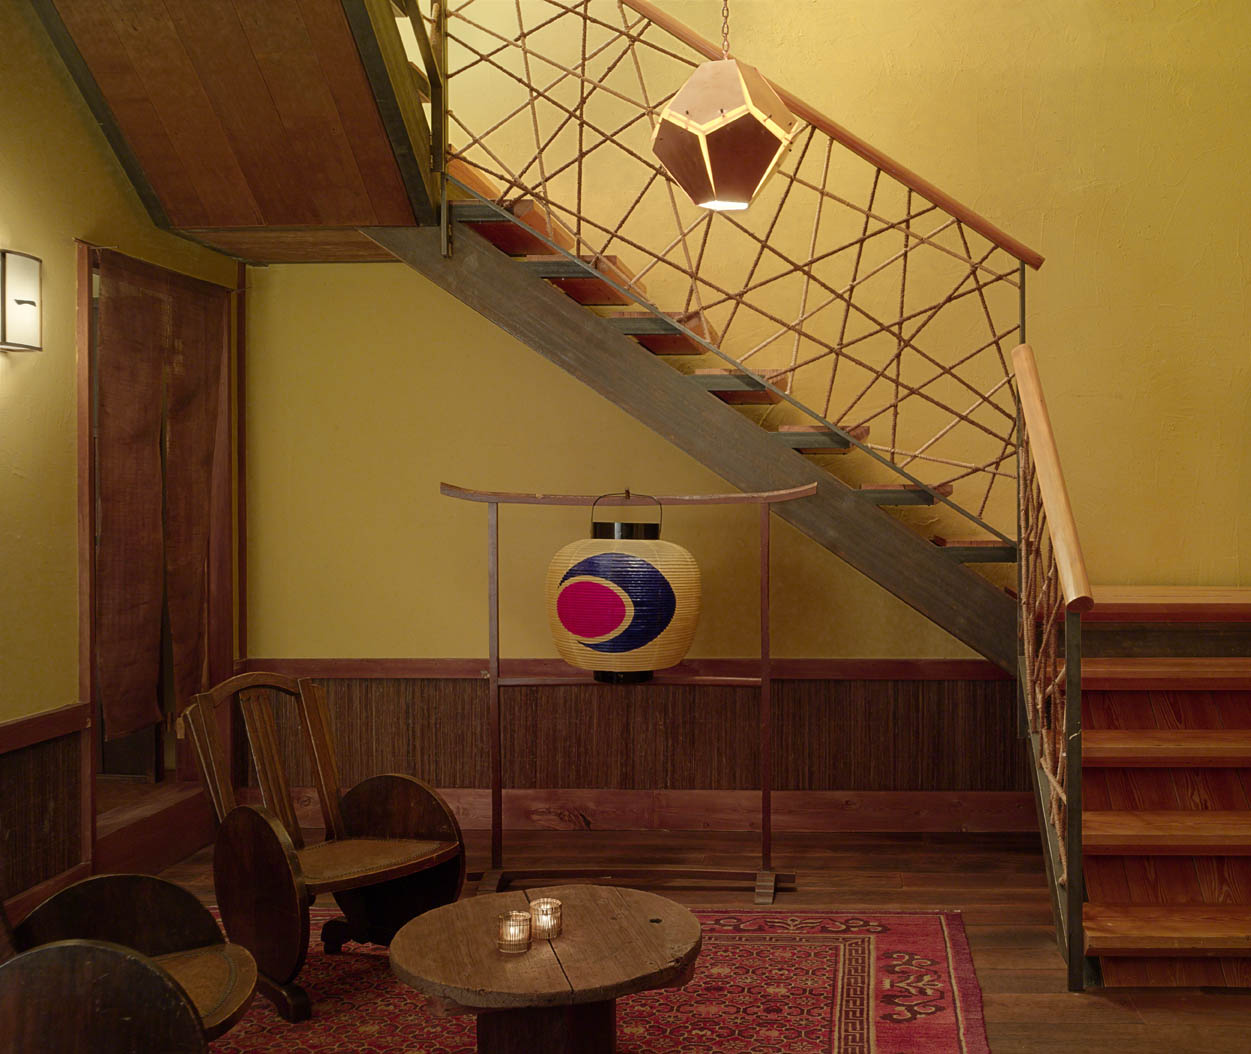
<point x="864" y="735"/>
<point x="40" y="812"/>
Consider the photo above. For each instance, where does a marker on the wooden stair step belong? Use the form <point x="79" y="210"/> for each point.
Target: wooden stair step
<point x="904" y="493"/>
<point x="1170" y="604"/>
<point x="817" y="439"/>
<point x="663" y="335"/>
<point x="1172" y="929"/>
<point x="1166" y="748"/>
<point x="734" y="386"/>
<point x="480" y="183"/>
<point x="516" y="239"/>
<point x="1229" y="674"/>
<point x="1175" y="832"/>
<point x="583" y="279"/>
<point x="977" y="550"/>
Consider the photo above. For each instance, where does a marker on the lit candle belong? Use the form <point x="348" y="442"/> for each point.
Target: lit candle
<point x="546" y="916"/>
<point x="514" y="931"/>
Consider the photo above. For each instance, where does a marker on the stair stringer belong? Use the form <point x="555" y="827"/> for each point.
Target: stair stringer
<point x="917" y="572"/>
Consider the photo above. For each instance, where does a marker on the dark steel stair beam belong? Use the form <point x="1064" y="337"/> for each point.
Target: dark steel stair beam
<point x="737" y="449"/>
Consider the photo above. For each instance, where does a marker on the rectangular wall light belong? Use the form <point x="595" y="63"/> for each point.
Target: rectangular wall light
<point x="21" y="302"/>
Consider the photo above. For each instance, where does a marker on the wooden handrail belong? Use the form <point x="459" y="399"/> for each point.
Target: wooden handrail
<point x="852" y="142"/>
<point x="1070" y="563"/>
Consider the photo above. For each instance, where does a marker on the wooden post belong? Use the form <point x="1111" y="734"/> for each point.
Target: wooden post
<point x="1073" y="798"/>
<point x="766" y="727"/>
<point x="493" y="631"/>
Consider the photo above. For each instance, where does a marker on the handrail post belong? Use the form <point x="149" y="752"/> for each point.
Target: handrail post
<point x="1075" y="889"/>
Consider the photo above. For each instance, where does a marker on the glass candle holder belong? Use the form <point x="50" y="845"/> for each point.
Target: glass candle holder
<point x="545" y="918"/>
<point x="514" y="933"/>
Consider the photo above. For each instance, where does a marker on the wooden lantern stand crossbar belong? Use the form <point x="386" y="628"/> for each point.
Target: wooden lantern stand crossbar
<point x="766" y="879"/>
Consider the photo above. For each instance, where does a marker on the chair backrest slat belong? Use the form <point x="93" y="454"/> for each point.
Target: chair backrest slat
<point x="258" y="718"/>
<point x="199" y="718"/>
<point x="321" y="747"/>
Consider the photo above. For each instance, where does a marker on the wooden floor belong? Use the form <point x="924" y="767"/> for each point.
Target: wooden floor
<point x="995" y="880"/>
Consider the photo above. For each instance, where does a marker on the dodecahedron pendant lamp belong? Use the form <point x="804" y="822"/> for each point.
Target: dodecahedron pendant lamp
<point x="623" y="603"/>
<point x="724" y="133"/>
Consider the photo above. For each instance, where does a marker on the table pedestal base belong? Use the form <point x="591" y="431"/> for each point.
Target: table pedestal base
<point x="587" y="1028"/>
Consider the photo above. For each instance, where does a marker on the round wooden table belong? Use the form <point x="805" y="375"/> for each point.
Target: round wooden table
<point x="560" y="996"/>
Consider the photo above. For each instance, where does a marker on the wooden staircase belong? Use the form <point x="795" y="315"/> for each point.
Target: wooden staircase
<point x="645" y="361"/>
<point x="1166" y="772"/>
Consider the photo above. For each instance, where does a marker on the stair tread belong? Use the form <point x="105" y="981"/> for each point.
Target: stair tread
<point x="1228" y="673"/>
<point x="734" y="386"/>
<point x="1166" y="748"/>
<point x="583" y="278"/>
<point x="904" y="493"/>
<point x="662" y="334"/>
<point x="522" y="238"/>
<point x="1167" y="832"/>
<point x="1167" y="929"/>
<point x="817" y="439"/>
<point x="1171" y="604"/>
<point x="977" y="550"/>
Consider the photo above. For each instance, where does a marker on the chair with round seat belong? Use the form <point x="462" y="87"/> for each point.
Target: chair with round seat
<point x="393" y="847"/>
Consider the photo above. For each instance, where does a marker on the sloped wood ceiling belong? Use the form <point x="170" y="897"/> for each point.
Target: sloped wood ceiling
<point x="250" y="125"/>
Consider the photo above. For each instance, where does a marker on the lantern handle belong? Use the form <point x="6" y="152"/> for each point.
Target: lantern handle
<point x="660" y="509"/>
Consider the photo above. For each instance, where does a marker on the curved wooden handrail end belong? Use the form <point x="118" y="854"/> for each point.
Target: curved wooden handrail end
<point x="1065" y="543"/>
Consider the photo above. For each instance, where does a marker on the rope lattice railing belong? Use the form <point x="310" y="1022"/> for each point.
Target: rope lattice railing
<point x="1042" y="626"/>
<point x="843" y="287"/>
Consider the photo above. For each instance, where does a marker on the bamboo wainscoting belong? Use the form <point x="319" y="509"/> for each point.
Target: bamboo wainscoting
<point x="862" y="296"/>
<point x="1054" y="591"/>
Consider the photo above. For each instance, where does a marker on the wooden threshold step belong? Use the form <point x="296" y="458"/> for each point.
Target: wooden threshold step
<point x="734" y="386"/>
<point x="817" y="439"/>
<point x="1223" y="674"/>
<point x="1166" y="748"/>
<point x="978" y="550"/>
<point x="1170" y="604"/>
<point x="1177" y="832"/>
<point x="583" y="279"/>
<point x="904" y="493"/>
<point x="1173" y="929"/>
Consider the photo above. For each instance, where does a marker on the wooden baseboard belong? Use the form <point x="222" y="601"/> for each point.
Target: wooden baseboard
<point x="19" y="906"/>
<point x="830" y="812"/>
<point x="154" y="834"/>
<point x="782" y="669"/>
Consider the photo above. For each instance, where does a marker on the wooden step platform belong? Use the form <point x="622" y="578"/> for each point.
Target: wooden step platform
<point x="1230" y="674"/>
<point x="1170" y="604"/>
<point x="580" y="279"/>
<point x="734" y="386"/>
<point x="525" y="238"/>
<point x="978" y="550"/>
<point x="662" y="335"/>
<point x="1168" y="929"/>
<point x="1175" y="832"/>
<point x="817" y="439"/>
<point x="1166" y="748"/>
<point x="904" y="493"/>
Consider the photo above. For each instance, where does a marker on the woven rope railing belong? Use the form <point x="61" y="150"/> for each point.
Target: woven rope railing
<point x="1054" y="591"/>
<point x="869" y="306"/>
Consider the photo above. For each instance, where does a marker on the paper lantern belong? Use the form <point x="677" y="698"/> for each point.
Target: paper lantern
<point x="724" y="133"/>
<point x="623" y="603"/>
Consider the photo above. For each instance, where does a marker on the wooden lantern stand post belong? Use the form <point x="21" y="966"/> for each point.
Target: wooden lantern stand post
<point x="766" y="879"/>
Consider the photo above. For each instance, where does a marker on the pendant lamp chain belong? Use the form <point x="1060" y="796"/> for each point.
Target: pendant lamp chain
<point x="725" y="29"/>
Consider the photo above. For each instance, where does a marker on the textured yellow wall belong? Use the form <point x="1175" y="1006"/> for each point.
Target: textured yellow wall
<point x="58" y="181"/>
<point x="1106" y="134"/>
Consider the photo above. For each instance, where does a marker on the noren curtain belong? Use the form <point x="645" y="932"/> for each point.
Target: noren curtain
<point x="161" y="356"/>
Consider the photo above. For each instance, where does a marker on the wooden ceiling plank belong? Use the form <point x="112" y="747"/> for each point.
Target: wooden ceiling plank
<point x="331" y="39"/>
<point x="145" y="36"/>
<point x="284" y="54"/>
<point x="281" y="245"/>
<point x="213" y="38"/>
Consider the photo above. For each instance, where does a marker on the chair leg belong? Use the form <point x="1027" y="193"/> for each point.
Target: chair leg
<point x="290" y="1000"/>
<point x="334" y="934"/>
<point x="375" y="913"/>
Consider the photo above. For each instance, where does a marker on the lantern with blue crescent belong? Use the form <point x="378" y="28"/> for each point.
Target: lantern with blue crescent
<point x="623" y="603"/>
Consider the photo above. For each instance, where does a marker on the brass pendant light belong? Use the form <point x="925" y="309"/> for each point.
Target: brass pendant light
<point x="724" y="133"/>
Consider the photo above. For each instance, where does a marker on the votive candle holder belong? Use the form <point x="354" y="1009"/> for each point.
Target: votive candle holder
<point x="514" y="935"/>
<point x="545" y="918"/>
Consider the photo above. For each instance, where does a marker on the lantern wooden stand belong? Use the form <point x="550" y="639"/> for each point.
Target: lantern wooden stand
<point x="766" y="879"/>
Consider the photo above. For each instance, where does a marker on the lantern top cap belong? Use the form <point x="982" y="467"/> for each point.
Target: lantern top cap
<point x="723" y="89"/>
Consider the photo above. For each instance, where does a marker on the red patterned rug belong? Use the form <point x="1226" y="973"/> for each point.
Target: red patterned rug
<point x="787" y="982"/>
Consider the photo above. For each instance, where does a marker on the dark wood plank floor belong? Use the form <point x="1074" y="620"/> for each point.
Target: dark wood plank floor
<point x="995" y="880"/>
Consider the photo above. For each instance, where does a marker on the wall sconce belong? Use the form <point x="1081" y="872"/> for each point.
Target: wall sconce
<point x="21" y="302"/>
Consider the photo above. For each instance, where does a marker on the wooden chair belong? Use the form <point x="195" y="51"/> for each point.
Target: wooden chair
<point x="393" y="848"/>
<point x="120" y="963"/>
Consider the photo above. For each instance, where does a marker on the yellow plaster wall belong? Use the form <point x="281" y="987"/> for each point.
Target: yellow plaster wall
<point x="1108" y="134"/>
<point x="59" y="181"/>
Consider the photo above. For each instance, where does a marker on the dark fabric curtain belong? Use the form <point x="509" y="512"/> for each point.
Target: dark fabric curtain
<point x="160" y="356"/>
